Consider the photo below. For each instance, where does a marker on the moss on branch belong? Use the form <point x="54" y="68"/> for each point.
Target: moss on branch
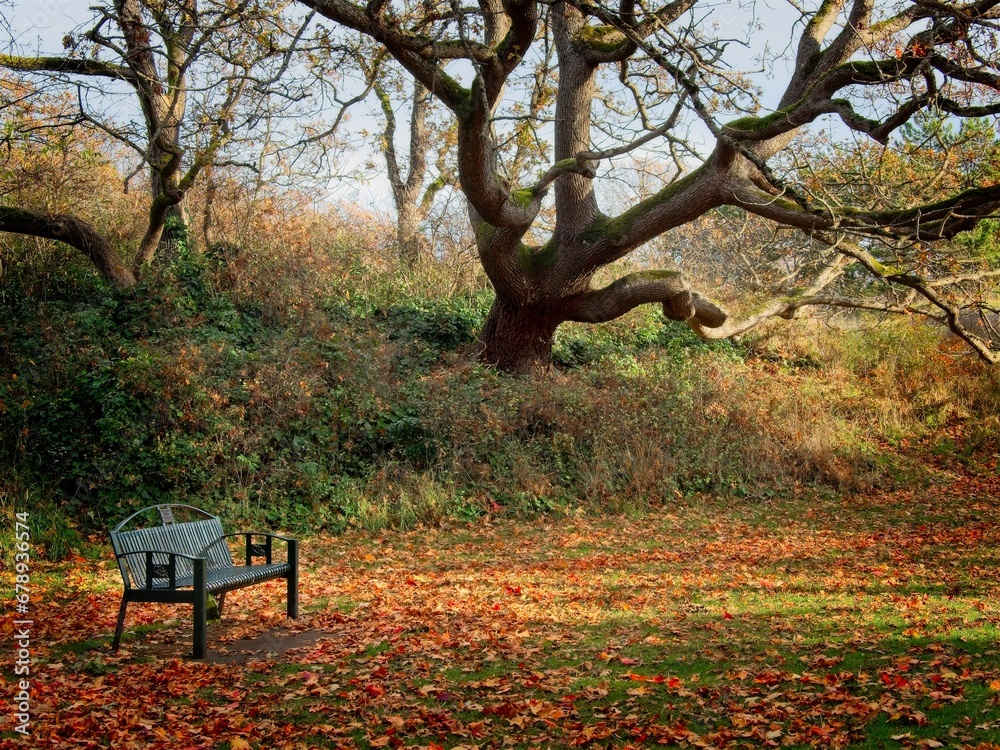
<point x="609" y="229"/>
<point x="484" y="232"/>
<point x="756" y="124"/>
<point x="604" y="39"/>
<point x="873" y="71"/>
<point x="535" y="260"/>
<point x="657" y="275"/>
<point x="522" y="197"/>
<point x="56" y="64"/>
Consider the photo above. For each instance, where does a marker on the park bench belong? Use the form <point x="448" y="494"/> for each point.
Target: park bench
<point x="185" y="561"/>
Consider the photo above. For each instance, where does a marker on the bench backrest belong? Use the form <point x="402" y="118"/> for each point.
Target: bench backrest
<point x="194" y="538"/>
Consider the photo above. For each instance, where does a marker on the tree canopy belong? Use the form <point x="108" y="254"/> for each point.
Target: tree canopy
<point x="183" y="85"/>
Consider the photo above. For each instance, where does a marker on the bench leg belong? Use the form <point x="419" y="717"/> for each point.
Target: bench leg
<point x="200" y="609"/>
<point x="121" y="625"/>
<point x="220" y="601"/>
<point x="293" y="579"/>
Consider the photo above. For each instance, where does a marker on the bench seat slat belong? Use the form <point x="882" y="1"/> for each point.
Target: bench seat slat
<point x="195" y="538"/>
<point x="228" y="579"/>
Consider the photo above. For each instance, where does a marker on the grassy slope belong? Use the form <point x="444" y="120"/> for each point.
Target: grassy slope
<point x="315" y="404"/>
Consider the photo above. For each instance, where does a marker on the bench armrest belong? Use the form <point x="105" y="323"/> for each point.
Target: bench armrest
<point x="160" y="571"/>
<point x="253" y="549"/>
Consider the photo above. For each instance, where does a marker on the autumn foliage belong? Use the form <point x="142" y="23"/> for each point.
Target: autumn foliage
<point x="866" y="621"/>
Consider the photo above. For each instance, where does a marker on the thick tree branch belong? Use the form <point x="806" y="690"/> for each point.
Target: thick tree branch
<point x="68" y="65"/>
<point x="607" y="239"/>
<point x="784" y="307"/>
<point x="927" y="222"/>
<point x="932" y="221"/>
<point x="666" y="287"/>
<point x="792" y="118"/>
<point x="75" y="233"/>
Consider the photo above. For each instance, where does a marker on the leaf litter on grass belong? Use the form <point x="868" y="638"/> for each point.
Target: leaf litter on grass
<point x="867" y="621"/>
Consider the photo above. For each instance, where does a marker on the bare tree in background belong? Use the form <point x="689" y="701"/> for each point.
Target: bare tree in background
<point x="183" y="84"/>
<point x="419" y="151"/>
<point x="413" y="189"/>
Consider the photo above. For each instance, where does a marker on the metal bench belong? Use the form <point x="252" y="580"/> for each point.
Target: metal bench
<point x="184" y="561"/>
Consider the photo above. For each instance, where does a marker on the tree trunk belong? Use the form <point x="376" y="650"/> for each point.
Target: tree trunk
<point x="407" y="234"/>
<point x="154" y="231"/>
<point x="518" y="338"/>
<point x="73" y="232"/>
<point x="175" y="218"/>
<point x="410" y="210"/>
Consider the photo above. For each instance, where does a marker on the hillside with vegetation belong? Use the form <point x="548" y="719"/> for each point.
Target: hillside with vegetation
<point x="298" y="374"/>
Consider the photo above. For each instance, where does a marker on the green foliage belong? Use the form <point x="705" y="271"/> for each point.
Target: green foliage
<point x="53" y="535"/>
<point x="644" y="330"/>
<point x="983" y="241"/>
<point x="361" y="409"/>
<point x="440" y="325"/>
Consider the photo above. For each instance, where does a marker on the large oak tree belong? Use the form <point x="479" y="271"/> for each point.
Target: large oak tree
<point x="632" y="76"/>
